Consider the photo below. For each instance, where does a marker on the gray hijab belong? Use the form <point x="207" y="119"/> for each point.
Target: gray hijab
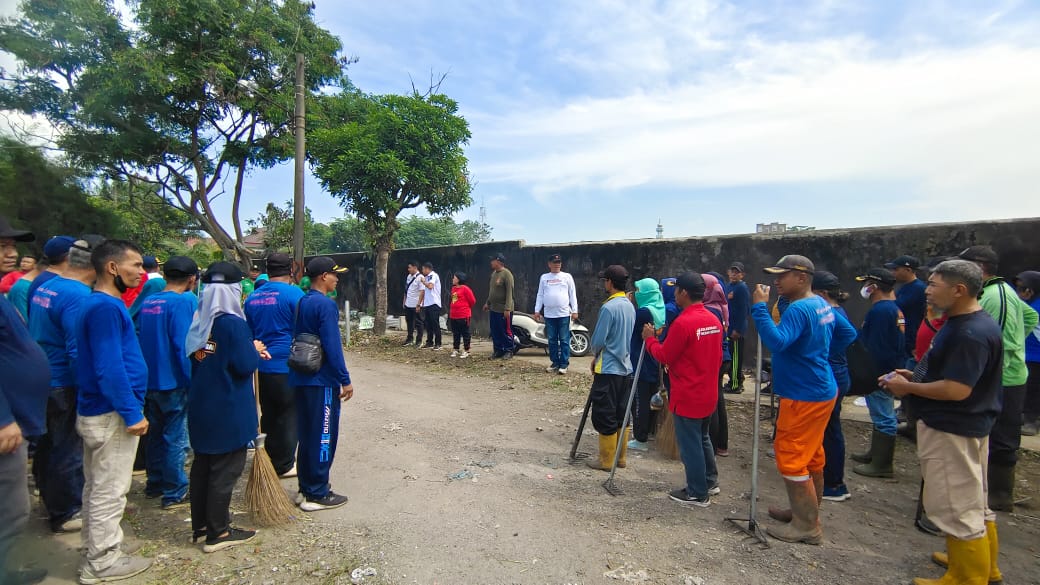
<point x="217" y="299"/>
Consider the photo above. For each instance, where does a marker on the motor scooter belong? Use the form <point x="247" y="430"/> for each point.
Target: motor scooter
<point x="530" y="333"/>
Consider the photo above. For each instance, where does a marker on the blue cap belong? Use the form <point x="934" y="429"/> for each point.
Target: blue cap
<point x="57" y="248"/>
<point x="149" y="262"/>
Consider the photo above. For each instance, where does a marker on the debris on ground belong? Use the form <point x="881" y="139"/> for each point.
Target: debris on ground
<point x="628" y="574"/>
<point x="358" y="575"/>
<point x="460" y="475"/>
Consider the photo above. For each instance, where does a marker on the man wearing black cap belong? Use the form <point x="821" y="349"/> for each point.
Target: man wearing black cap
<point x="9" y="239"/>
<point x="269" y="311"/>
<point x="611" y="367"/>
<point x="1015" y="318"/>
<point x="884" y="337"/>
<point x="58" y="465"/>
<point x="163" y="321"/>
<point x="318" y="395"/>
<point x="909" y="297"/>
<point x="111" y="379"/>
<point x="693" y="353"/>
<point x="556" y="304"/>
<point x="500" y="307"/>
<point x="802" y="377"/>
<point x="739" y="298"/>
<point x="1028" y="286"/>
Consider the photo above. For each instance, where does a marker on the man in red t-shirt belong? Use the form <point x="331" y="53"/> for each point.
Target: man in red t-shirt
<point x="693" y="353"/>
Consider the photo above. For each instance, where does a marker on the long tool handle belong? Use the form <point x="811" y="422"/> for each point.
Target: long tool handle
<point x="628" y="412"/>
<point x="755" y="432"/>
<point x="581" y="427"/>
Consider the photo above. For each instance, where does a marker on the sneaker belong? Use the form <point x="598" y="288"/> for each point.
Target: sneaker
<point x="437" y="348"/>
<point x="197" y="535"/>
<point x="714" y="490"/>
<point x="73" y="524"/>
<point x="125" y="567"/>
<point x="176" y="504"/>
<point x="496" y="356"/>
<point x="454" y="353"/>
<point x="722" y="452"/>
<point x="428" y="346"/>
<point x="507" y="355"/>
<point x="836" y="493"/>
<point x="406" y="343"/>
<point x="562" y="371"/>
<point x="1030" y="429"/>
<point x="685" y="499"/>
<point x="635" y="445"/>
<point x="464" y="354"/>
<point x="330" y="501"/>
<point x="551" y="370"/>
<point x="234" y="537"/>
<point x="418" y="345"/>
<point x="151" y="496"/>
<point x="24" y="576"/>
<point x="299" y="499"/>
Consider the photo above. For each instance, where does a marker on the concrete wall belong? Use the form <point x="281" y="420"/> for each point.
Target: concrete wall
<point x="844" y="252"/>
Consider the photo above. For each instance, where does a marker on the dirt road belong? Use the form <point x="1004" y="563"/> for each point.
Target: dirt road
<point x="519" y="513"/>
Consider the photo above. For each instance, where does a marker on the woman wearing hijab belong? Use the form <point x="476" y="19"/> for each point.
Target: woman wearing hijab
<point x="716" y="302"/>
<point x="221" y="408"/>
<point x="649" y="309"/>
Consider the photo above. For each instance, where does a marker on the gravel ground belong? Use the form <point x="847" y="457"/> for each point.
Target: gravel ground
<point x="457" y="473"/>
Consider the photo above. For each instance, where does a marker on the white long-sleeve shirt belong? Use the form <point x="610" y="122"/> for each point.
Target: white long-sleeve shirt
<point x="557" y="296"/>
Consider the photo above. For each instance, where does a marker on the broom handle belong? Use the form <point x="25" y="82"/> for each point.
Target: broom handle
<point x="628" y="412"/>
<point x="755" y="432"/>
<point x="256" y="398"/>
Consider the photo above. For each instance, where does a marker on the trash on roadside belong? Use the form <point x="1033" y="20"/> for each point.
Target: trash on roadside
<point x="460" y="475"/>
<point x="358" y="575"/>
<point x="483" y="463"/>
<point x="548" y="476"/>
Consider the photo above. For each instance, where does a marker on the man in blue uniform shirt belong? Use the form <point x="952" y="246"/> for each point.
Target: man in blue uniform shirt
<point x="739" y="298"/>
<point x="269" y="312"/>
<point x="111" y="381"/>
<point x="163" y="323"/>
<point x="318" y="395"/>
<point x="909" y="296"/>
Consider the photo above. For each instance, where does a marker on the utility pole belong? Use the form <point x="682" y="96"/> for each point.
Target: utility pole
<point x="299" y="127"/>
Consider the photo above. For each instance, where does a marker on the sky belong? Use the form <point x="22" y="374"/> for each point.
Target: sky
<point x="595" y="119"/>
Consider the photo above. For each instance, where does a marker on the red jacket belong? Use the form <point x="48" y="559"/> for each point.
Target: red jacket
<point x="462" y="301"/>
<point x="693" y="353"/>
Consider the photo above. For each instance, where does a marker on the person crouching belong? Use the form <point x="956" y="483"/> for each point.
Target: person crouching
<point x="221" y="412"/>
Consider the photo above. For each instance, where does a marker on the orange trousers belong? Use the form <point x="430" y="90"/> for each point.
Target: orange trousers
<point x="799" y="437"/>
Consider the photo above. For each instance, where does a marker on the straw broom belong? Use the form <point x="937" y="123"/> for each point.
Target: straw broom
<point x="666" y="442"/>
<point x="265" y="497"/>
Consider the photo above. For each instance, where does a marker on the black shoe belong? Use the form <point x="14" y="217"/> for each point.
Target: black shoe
<point x="197" y="535"/>
<point x="686" y="499"/>
<point x="730" y="390"/>
<point x="496" y="356"/>
<point x="406" y="343"/>
<point x="507" y="355"/>
<point x="234" y="537"/>
<point x="24" y="576"/>
<point x="926" y="526"/>
<point x="330" y="501"/>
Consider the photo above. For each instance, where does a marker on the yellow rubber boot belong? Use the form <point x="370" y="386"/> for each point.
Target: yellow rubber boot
<point x="995" y="577"/>
<point x="607" y="447"/>
<point x="968" y="563"/>
<point x="622" y="461"/>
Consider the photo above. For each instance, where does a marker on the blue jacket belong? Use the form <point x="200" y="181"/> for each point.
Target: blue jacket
<point x="801" y="347"/>
<point x="56" y="308"/>
<point x="911" y="300"/>
<point x="838" y="360"/>
<point x="610" y="340"/>
<point x="111" y="373"/>
<point x="319" y="316"/>
<point x="221" y="407"/>
<point x="163" y="324"/>
<point x="25" y="383"/>
<point x="269" y="312"/>
<point x="739" y="306"/>
<point x="883" y="336"/>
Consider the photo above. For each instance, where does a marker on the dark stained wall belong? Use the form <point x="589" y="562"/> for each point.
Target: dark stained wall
<point x="844" y="252"/>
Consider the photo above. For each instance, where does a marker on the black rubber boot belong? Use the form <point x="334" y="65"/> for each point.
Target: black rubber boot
<point x="1002" y="487"/>
<point x="883" y="449"/>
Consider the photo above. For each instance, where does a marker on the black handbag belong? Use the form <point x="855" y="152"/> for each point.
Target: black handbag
<point x="305" y="354"/>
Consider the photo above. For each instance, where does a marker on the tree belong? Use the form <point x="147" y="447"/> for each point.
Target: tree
<point x="383" y="154"/>
<point x="421" y="232"/>
<point x="143" y="217"/>
<point x="277" y="224"/>
<point x="43" y="196"/>
<point x="187" y="98"/>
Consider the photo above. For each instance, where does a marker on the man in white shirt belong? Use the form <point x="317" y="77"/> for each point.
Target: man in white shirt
<point x="414" y="284"/>
<point x="431" y="307"/>
<point x="557" y="304"/>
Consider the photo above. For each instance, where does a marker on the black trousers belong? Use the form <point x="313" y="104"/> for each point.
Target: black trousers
<point x="58" y="461"/>
<point x="1031" y="408"/>
<point x="642" y="416"/>
<point x="278" y="404"/>
<point x="460" y="333"/>
<point x="1006" y="437"/>
<point x="432" y="317"/>
<point x="415" y="323"/>
<point x="213" y="479"/>
<point x="718" y="425"/>
<point x="609" y="401"/>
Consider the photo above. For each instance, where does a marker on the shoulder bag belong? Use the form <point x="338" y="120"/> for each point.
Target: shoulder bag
<point x="305" y="354"/>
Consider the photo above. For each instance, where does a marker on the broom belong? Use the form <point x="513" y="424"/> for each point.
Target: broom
<point x="666" y="442"/>
<point x="265" y="497"/>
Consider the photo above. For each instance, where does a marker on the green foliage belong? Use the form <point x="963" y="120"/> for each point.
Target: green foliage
<point x="192" y="93"/>
<point x="423" y="232"/>
<point x="43" y="196"/>
<point x="145" y="219"/>
<point x="383" y="154"/>
<point x="277" y="224"/>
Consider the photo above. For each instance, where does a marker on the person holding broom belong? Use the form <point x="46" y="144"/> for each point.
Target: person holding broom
<point x="221" y="413"/>
<point x="693" y="353"/>
<point x="802" y="376"/>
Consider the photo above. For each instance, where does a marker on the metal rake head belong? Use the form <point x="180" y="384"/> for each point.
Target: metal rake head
<point x="613" y="488"/>
<point x="578" y="457"/>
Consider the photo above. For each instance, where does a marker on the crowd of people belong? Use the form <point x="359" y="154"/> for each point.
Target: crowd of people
<point x="111" y="356"/>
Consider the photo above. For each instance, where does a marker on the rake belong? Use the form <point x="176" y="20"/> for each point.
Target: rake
<point x="751" y="528"/>
<point x="610" y="485"/>
<point x="576" y="456"/>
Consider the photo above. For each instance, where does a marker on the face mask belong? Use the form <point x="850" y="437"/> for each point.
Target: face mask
<point x="865" y="291"/>
<point x="120" y="285"/>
